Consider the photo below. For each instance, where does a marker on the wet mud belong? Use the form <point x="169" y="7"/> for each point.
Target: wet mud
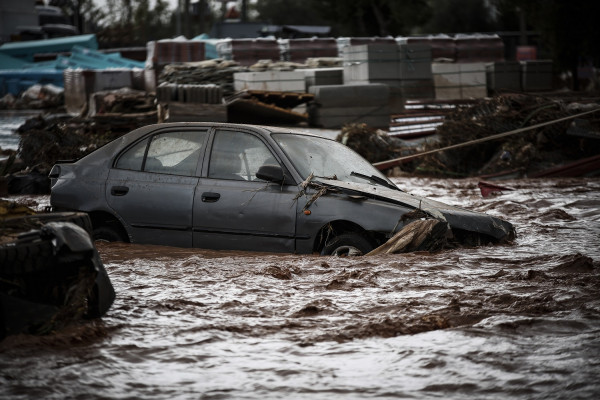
<point x="520" y="320"/>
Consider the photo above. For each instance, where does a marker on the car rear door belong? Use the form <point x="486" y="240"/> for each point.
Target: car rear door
<point x="152" y="184"/>
<point x="235" y="210"/>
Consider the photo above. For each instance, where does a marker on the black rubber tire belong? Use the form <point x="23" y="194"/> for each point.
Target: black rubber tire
<point x="347" y="244"/>
<point x="107" y="233"/>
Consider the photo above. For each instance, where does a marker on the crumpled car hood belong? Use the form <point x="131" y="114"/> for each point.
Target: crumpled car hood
<point x="457" y="218"/>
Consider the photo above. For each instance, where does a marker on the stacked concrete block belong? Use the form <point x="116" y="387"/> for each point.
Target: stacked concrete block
<point x="473" y="80"/>
<point x="442" y="46"/>
<point x="459" y="81"/>
<point x="336" y="105"/>
<point x="503" y="75"/>
<point x="249" y="51"/>
<point x="190" y="103"/>
<point x="344" y="42"/>
<point x="417" y="89"/>
<point x="298" y="50"/>
<point x="323" y="76"/>
<point x="274" y="81"/>
<point x="415" y="61"/>
<point x="372" y="63"/>
<point x="202" y="94"/>
<point x="416" y="79"/>
<point x="164" y="52"/>
<point x="406" y="67"/>
<point x="536" y="75"/>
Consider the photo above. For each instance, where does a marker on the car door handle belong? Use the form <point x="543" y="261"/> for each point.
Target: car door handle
<point x="119" y="190"/>
<point x="209" y="197"/>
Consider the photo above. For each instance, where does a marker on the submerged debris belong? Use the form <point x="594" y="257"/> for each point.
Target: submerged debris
<point x="373" y="144"/>
<point x="420" y="235"/>
<point x="521" y="153"/>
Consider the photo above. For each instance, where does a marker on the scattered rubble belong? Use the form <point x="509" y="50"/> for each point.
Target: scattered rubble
<point x="36" y="97"/>
<point x="420" y="235"/>
<point x="218" y="71"/>
<point x="46" y="139"/>
<point x="373" y="144"/>
<point x="121" y="101"/>
<point x="51" y="274"/>
<point x="520" y="154"/>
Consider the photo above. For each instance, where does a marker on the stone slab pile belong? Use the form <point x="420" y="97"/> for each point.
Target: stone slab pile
<point x="336" y="105"/>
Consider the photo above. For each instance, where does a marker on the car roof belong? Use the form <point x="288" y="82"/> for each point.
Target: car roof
<point x="260" y="128"/>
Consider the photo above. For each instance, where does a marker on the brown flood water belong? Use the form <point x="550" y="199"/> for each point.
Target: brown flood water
<point x="520" y="321"/>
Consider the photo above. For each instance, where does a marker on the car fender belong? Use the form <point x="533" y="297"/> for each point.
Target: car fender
<point x="369" y="214"/>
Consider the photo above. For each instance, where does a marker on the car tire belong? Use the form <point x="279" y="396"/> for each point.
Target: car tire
<point x="106" y="233"/>
<point x="347" y="244"/>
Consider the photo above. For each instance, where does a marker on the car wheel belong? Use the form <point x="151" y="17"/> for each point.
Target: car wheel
<point x="347" y="245"/>
<point x="108" y="234"/>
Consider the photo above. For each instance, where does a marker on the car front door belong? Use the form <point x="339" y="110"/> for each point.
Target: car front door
<point x="152" y="183"/>
<point x="235" y="210"/>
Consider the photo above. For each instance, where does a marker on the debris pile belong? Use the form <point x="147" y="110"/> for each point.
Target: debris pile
<point x="522" y="153"/>
<point x="50" y="272"/>
<point x="268" y="65"/>
<point x="122" y="101"/>
<point x="420" y="235"/>
<point x="36" y="97"/>
<point x="219" y="72"/>
<point x="47" y="139"/>
<point x="373" y="144"/>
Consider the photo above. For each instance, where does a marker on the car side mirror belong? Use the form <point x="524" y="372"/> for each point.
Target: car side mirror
<point x="271" y="173"/>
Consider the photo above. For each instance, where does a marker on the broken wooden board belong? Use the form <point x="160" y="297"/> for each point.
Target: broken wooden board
<point x="176" y="111"/>
<point x="280" y="99"/>
<point x="253" y="111"/>
<point x="419" y="235"/>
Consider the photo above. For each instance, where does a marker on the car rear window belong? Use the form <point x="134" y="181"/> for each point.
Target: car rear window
<point x="175" y="153"/>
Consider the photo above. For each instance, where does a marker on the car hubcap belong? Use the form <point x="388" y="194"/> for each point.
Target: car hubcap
<point x="347" y="251"/>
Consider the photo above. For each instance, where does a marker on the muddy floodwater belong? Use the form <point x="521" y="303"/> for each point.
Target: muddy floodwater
<point x="520" y="321"/>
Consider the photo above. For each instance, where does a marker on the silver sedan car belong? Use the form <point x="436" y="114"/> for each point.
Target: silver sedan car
<point x="244" y="187"/>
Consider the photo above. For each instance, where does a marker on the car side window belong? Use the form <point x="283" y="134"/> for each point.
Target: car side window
<point x="133" y="158"/>
<point x="174" y="153"/>
<point x="238" y="156"/>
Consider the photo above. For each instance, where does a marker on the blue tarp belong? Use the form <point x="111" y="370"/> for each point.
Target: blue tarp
<point x="8" y="62"/>
<point x="26" y="50"/>
<point x="20" y="75"/>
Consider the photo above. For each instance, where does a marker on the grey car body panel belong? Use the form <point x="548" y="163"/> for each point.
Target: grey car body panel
<point x="158" y="207"/>
<point x="457" y="218"/>
<point x="369" y="214"/>
<point x="257" y="216"/>
<point x="254" y="216"/>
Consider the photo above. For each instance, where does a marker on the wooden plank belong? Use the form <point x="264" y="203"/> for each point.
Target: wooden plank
<point x="195" y="112"/>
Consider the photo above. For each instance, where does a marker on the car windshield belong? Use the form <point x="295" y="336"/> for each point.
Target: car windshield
<point x="327" y="158"/>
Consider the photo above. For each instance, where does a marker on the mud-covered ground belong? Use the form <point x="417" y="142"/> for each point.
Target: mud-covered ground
<point x="520" y="321"/>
